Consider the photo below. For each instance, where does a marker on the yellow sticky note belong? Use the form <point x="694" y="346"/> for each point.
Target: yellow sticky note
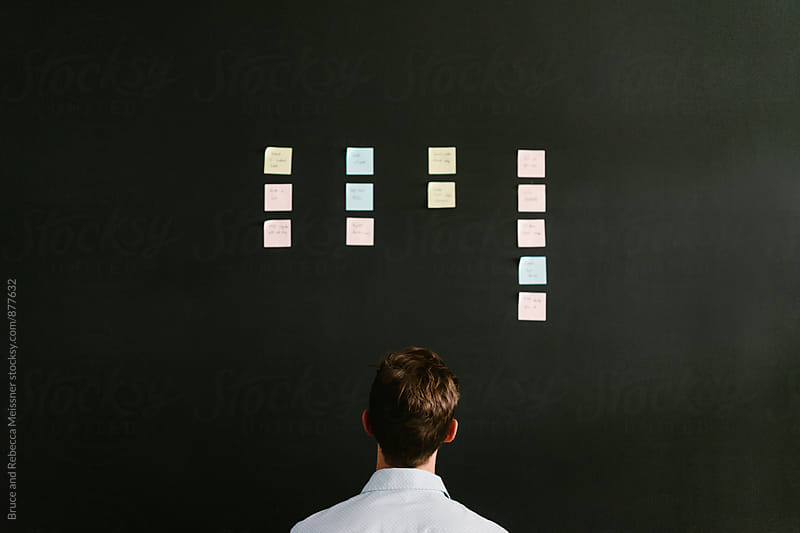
<point x="441" y="194"/>
<point x="277" y="160"/>
<point x="442" y="160"/>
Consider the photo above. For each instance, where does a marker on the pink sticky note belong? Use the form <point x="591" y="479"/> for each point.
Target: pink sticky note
<point x="277" y="233"/>
<point x="278" y="197"/>
<point x="530" y="233"/>
<point x="532" y="306"/>
<point x="530" y="163"/>
<point x="360" y="232"/>
<point x="530" y="199"/>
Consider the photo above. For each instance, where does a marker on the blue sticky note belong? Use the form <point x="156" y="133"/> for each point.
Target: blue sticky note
<point x="358" y="196"/>
<point x="532" y="271"/>
<point x="359" y="162"/>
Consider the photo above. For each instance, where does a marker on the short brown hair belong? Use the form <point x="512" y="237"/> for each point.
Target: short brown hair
<point x="411" y="403"/>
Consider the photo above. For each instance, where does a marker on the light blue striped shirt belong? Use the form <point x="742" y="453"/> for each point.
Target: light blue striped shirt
<point x="399" y="500"/>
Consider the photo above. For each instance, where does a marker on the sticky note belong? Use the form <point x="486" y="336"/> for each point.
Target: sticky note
<point x="532" y="306"/>
<point x="278" y="197"/>
<point x="442" y="160"/>
<point x="441" y="194"/>
<point x="530" y="233"/>
<point x="358" y="197"/>
<point x="533" y="271"/>
<point x="360" y="232"/>
<point x="277" y="233"/>
<point x="359" y="161"/>
<point x="530" y="198"/>
<point x="530" y="163"/>
<point x="277" y="160"/>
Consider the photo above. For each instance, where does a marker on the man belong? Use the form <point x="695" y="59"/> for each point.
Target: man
<point x="411" y="407"/>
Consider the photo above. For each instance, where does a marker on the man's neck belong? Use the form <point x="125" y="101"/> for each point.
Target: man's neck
<point x="429" y="465"/>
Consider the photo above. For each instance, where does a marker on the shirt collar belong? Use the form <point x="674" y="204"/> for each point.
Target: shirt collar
<point x="404" y="478"/>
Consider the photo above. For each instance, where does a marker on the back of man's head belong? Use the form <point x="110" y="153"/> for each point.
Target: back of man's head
<point x="411" y="404"/>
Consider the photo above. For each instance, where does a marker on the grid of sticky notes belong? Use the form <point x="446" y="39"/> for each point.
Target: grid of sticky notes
<point x="359" y="196"/>
<point x="531" y="206"/>
<point x="278" y="197"/>
<point x="359" y="204"/>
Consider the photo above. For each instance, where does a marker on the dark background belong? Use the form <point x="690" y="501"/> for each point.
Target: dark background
<point x="177" y="375"/>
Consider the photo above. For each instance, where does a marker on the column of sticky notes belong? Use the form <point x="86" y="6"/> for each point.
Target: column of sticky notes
<point x="530" y="234"/>
<point x="277" y="197"/>
<point x="360" y="231"/>
<point x="441" y="161"/>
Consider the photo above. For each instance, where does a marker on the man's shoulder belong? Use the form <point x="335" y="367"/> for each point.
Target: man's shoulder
<point x="326" y="517"/>
<point x="484" y="523"/>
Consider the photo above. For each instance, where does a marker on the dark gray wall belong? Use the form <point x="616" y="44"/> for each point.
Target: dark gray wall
<point x="176" y="374"/>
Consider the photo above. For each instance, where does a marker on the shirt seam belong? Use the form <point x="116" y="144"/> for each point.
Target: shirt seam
<point x="429" y="490"/>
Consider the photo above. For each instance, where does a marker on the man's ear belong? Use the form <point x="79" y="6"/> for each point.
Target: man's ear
<point x="365" y="422"/>
<point x="452" y="430"/>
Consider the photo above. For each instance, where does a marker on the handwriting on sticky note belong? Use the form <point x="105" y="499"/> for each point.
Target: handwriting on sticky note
<point x="532" y="306"/>
<point x="531" y="198"/>
<point x="530" y="233"/>
<point x="533" y="271"/>
<point x="530" y="163"/>
<point x="278" y="197"/>
<point x="277" y="233"/>
<point x="442" y="160"/>
<point x="441" y="194"/>
<point x="360" y="232"/>
<point x="277" y="160"/>
<point x="359" y="161"/>
<point x="358" y="196"/>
